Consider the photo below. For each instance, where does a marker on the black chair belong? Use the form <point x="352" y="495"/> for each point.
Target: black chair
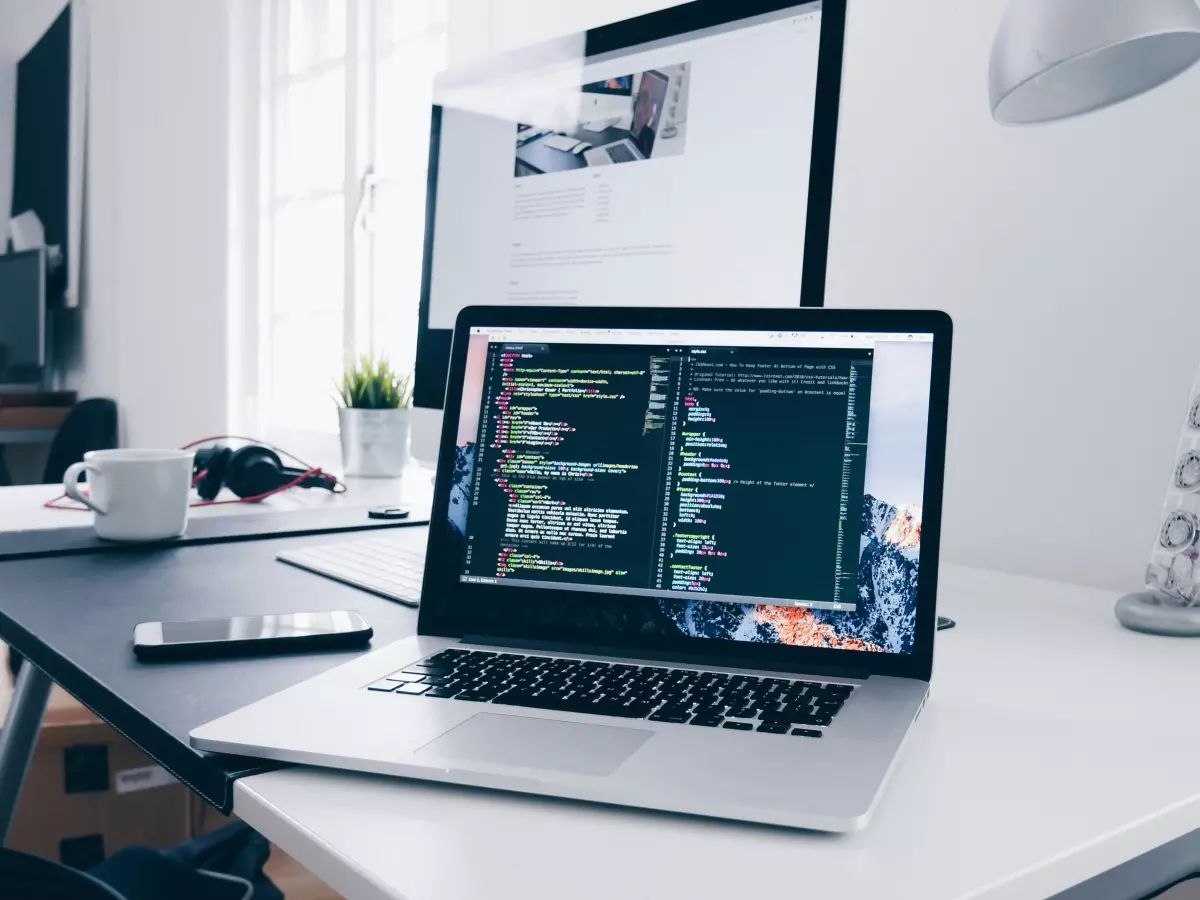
<point x="91" y="425"/>
<point x="31" y="878"/>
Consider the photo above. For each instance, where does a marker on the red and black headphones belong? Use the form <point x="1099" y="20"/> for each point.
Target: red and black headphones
<point x="251" y="472"/>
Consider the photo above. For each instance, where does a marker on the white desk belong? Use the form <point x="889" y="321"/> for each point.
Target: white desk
<point x="1055" y="746"/>
<point x="22" y="507"/>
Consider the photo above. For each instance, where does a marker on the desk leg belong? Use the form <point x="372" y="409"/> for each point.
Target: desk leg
<point x="19" y="738"/>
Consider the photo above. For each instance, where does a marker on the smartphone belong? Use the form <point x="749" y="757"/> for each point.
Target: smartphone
<point x="250" y="635"/>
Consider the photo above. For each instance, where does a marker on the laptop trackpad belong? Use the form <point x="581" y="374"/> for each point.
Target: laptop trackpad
<point x="537" y="744"/>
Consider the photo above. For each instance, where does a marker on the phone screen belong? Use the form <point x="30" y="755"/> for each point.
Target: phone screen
<point x="250" y="628"/>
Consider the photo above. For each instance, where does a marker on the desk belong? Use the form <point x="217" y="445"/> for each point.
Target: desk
<point x="1055" y="747"/>
<point x="1020" y="780"/>
<point x="33" y="611"/>
<point x="540" y="159"/>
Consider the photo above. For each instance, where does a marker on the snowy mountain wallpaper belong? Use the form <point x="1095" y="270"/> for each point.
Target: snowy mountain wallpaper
<point x="460" y="486"/>
<point x="885" y="617"/>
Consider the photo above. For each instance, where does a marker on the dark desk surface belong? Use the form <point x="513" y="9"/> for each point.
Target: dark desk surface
<point x="73" y="616"/>
<point x="545" y="159"/>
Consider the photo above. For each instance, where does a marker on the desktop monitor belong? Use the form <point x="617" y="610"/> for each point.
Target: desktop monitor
<point x="22" y="316"/>
<point x="733" y="112"/>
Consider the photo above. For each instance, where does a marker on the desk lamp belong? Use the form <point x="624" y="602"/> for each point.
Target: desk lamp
<point x="1055" y="59"/>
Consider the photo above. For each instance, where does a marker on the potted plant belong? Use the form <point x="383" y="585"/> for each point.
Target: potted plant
<point x="373" y="416"/>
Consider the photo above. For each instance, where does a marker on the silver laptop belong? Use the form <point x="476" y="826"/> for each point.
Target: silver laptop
<point x="648" y="107"/>
<point x="678" y="559"/>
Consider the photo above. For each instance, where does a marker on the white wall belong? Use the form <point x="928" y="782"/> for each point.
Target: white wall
<point x="1067" y="256"/>
<point x="154" y="314"/>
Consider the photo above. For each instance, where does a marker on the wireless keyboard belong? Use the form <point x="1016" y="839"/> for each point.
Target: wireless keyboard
<point x="387" y="566"/>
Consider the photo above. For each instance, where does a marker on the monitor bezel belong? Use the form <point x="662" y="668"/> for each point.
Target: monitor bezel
<point x="441" y="616"/>
<point x="433" y="344"/>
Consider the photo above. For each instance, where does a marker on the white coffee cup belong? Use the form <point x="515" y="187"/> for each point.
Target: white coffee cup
<point x="137" y="495"/>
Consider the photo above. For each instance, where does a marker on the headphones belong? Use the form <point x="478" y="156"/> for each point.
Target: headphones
<point x="250" y="472"/>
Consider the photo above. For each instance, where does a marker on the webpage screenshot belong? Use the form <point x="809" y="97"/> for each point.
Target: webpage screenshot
<point x="753" y="486"/>
<point x="632" y="179"/>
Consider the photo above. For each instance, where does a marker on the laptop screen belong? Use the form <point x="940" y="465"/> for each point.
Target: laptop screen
<point x="647" y="109"/>
<point x="745" y="486"/>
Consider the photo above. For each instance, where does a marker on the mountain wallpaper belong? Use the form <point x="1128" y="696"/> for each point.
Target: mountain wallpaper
<point x="460" y="487"/>
<point x="885" y="620"/>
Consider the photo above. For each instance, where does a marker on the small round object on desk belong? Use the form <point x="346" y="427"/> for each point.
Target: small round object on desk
<point x="1153" y="612"/>
<point x="387" y="512"/>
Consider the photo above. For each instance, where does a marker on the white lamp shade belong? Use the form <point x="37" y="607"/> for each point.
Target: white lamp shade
<point x="1053" y="59"/>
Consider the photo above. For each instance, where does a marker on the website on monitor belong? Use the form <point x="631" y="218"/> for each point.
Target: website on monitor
<point x="673" y="174"/>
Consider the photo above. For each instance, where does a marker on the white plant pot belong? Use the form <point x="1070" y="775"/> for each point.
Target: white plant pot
<point x="375" y="442"/>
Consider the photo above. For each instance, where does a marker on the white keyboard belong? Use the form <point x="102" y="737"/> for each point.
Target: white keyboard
<point x="390" y="566"/>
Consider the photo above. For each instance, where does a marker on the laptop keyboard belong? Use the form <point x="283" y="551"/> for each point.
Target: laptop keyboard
<point x="659" y="694"/>
<point x="619" y="153"/>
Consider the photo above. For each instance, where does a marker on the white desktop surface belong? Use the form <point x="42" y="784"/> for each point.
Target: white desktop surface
<point x="1055" y="746"/>
<point x="22" y="508"/>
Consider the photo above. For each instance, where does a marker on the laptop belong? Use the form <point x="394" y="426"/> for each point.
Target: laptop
<point x="647" y="112"/>
<point x="679" y="559"/>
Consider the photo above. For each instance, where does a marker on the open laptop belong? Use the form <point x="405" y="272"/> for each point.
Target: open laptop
<point x="678" y="559"/>
<point x="648" y="106"/>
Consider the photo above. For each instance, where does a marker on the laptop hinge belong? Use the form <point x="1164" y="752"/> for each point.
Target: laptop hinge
<point x="692" y="659"/>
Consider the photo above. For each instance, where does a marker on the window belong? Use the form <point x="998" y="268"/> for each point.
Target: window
<point x="344" y="154"/>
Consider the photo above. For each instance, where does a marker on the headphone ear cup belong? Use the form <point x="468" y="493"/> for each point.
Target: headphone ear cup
<point x="254" y="470"/>
<point x="213" y="462"/>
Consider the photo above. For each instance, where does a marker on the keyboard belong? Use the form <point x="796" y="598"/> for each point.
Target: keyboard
<point x="658" y="694"/>
<point x="382" y="565"/>
<point x="619" y="153"/>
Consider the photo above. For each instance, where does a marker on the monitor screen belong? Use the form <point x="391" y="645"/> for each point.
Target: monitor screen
<point x="735" y="485"/>
<point x="709" y="206"/>
<point x="22" y="315"/>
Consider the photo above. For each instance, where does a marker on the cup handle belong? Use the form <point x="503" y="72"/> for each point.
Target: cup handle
<point x="71" y="486"/>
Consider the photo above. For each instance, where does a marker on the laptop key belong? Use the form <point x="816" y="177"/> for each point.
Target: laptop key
<point x="807" y="732"/>
<point x="774" y="727"/>
<point x="441" y="693"/>
<point x="738" y="726"/>
<point x="677" y="718"/>
<point x="706" y="721"/>
<point x="383" y="685"/>
<point x="426" y="669"/>
<point x="411" y="688"/>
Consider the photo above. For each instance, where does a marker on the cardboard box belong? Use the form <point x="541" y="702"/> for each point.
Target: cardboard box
<point x="90" y="792"/>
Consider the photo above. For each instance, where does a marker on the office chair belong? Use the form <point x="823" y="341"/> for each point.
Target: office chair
<point x="32" y="878"/>
<point x="226" y="864"/>
<point x="91" y="425"/>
